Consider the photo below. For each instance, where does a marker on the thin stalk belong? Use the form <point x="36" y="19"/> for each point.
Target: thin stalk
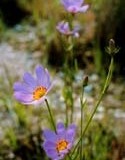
<point x="76" y="156"/>
<point x="67" y="121"/>
<point x="82" y="107"/>
<point x="81" y="125"/>
<point x="72" y="105"/>
<point x="72" y="73"/>
<point x="50" y="113"/>
<point x="70" y="63"/>
<point x="106" y="84"/>
<point x="69" y="157"/>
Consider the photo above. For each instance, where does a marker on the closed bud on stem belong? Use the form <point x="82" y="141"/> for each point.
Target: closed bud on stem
<point x="112" y="49"/>
<point x="85" y="81"/>
<point x="112" y="44"/>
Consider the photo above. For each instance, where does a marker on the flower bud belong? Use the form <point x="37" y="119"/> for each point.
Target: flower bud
<point x="112" y="49"/>
<point x="112" y="44"/>
<point x="85" y="81"/>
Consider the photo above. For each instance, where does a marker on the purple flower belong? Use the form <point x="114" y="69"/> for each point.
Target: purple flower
<point x="63" y="27"/>
<point x="57" y="145"/>
<point x="74" y="6"/>
<point x="33" y="90"/>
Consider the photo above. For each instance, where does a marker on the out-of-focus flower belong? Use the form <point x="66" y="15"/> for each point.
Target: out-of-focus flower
<point x="74" y="6"/>
<point x="57" y="145"/>
<point x="33" y="90"/>
<point x="63" y="27"/>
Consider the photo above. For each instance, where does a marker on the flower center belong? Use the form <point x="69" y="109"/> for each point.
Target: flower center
<point x="39" y="92"/>
<point x="61" y="145"/>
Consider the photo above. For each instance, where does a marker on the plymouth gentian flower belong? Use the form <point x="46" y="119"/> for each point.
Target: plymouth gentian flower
<point x="58" y="144"/>
<point x="63" y="27"/>
<point x="74" y="6"/>
<point x="33" y="90"/>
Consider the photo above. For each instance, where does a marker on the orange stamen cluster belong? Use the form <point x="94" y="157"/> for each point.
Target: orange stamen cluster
<point x="39" y="92"/>
<point x="61" y="145"/>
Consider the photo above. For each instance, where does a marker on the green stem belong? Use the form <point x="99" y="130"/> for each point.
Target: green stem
<point x="70" y="20"/>
<point x="81" y="101"/>
<point x="70" y="65"/>
<point x="69" y="157"/>
<point x="106" y="84"/>
<point x="67" y="121"/>
<point x="81" y="148"/>
<point x="51" y="117"/>
<point x="72" y="105"/>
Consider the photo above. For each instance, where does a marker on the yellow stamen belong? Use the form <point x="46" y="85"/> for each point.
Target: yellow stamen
<point x="39" y="92"/>
<point x="61" y="145"/>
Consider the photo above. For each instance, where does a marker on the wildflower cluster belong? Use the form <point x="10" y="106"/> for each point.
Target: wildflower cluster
<point x="33" y="91"/>
<point x="57" y="144"/>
